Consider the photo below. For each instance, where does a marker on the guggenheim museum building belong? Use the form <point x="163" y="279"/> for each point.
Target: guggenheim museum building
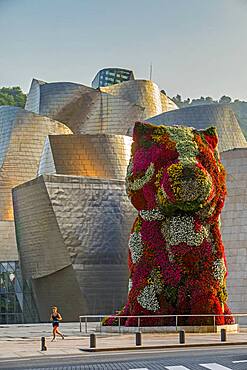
<point x="64" y="213"/>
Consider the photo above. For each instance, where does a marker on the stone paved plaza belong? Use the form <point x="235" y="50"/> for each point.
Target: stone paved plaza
<point x="24" y="341"/>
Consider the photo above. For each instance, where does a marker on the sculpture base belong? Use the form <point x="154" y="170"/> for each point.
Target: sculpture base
<point x="232" y="328"/>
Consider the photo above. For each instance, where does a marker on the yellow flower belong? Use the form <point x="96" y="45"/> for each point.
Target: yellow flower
<point x="175" y="172"/>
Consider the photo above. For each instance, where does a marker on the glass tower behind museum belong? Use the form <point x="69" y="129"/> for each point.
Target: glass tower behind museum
<point x="111" y="76"/>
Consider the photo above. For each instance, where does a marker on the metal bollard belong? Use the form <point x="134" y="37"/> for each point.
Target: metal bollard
<point x="138" y="338"/>
<point x="181" y="336"/>
<point x="43" y="346"/>
<point x="92" y="341"/>
<point x="223" y="335"/>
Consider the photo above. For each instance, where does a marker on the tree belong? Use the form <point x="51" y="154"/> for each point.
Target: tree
<point x="209" y="100"/>
<point x="12" y="96"/>
<point x="178" y="100"/>
<point x="225" y="99"/>
<point x="6" y="99"/>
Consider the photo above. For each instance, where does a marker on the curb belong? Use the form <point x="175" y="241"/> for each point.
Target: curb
<point x="162" y="347"/>
<point x="46" y="355"/>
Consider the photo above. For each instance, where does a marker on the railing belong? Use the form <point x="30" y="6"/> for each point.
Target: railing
<point x="88" y="318"/>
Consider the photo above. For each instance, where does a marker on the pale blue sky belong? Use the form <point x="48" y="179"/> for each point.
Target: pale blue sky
<point x="197" y="47"/>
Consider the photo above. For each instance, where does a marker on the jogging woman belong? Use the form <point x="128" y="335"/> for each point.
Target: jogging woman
<point x="55" y="318"/>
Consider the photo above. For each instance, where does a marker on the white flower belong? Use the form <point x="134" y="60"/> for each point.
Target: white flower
<point x="152" y="215"/>
<point x="219" y="270"/>
<point x="135" y="246"/>
<point x="180" y="229"/>
<point x="129" y="285"/>
<point x="193" y="189"/>
<point x="148" y="299"/>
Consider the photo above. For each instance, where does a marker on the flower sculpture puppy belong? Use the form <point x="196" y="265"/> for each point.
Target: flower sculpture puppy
<point x="176" y="257"/>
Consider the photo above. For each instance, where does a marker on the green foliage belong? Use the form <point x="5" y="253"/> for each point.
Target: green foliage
<point x="200" y="101"/>
<point x="225" y="99"/>
<point x="6" y="99"/>
<point x="171" y="293"/>
<point x="12" y="96"/>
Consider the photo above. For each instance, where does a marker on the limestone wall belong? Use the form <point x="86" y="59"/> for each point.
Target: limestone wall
<point x="234" y="227"/>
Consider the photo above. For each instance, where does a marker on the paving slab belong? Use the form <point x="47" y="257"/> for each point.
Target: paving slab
<point x="23" y="341"/>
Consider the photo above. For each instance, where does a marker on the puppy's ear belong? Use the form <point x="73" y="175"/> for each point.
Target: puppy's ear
<point x="211" y="137"/>
<point x="142" y="130"/>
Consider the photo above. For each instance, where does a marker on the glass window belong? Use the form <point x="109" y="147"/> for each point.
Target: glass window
<point x="11" y="293"/>
<point x="11" y="266"/>
<point x="4" y="265"/>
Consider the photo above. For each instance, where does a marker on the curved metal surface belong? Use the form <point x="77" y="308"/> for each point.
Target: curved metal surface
<point x="49" y="99"/>
<point x="105" y="156"/>
<point x="82" y="108"/>
<point x="112" y="109"/>
<point x="110" y="115"/>
<point x="144" y="93"/>
<point x="33" y="96"/>
<point x="94" y="217"/>
<point x="22" y="136"/>
<point x="46" y="253"/>
<point x="54" y="96"/>
<point x="203" y="116"/>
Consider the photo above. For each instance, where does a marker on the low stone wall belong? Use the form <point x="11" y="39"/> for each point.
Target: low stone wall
<point x="168" y="329"/>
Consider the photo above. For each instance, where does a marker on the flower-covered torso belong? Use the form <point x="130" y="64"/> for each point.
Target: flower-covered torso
<point x="176" y="257"/>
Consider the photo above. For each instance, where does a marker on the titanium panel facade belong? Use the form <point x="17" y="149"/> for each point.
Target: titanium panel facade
<point x="110" y="110"/>
<point x="49" y="99"/>
<point x="33" y="97"/>
<point x="81" y="108"/>
<point x="110" y="115"/>
<point x="90" y="219"/>
<point x="105" y="156"/>
<point x="144" y="93"/>
<point x="39" y="259"/>
<point x="202" y="116"/>
<point x="22" y="136"/>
